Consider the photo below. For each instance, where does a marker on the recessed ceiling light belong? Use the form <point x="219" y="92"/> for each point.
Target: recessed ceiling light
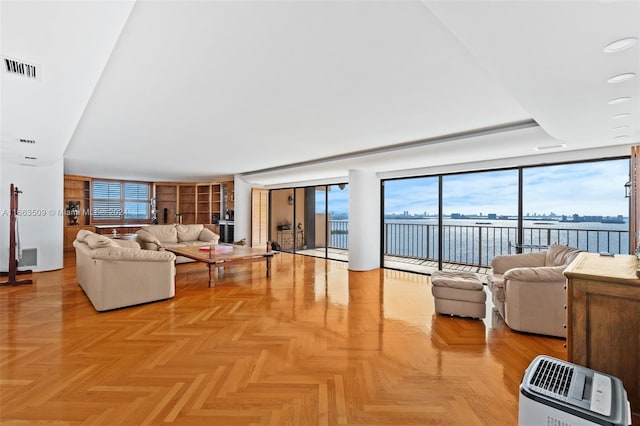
<point x="619" y="116"/>
<point x="621" y="77"/>
<point x="619" y="100"/>
<point x="621" y="127"/>
<point x="544" y="148"/>
<point x="620" y="45"/>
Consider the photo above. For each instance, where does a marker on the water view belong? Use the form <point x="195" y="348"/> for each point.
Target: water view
<point x="477" y="242"/>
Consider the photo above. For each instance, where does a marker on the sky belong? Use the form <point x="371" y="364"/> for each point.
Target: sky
<point x="586" y="189"/>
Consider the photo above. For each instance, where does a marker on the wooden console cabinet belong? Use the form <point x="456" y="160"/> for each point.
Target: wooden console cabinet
<point x="603" y="318"/>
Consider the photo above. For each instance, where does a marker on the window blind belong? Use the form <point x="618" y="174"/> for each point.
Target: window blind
<point x="116" y="200"/>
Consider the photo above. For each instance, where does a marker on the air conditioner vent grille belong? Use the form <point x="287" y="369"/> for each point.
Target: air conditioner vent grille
<point x="552" y="377"/>
<point x="27" y="141"/>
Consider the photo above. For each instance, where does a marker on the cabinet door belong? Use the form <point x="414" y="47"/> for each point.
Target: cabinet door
<point x="604" y="331"/>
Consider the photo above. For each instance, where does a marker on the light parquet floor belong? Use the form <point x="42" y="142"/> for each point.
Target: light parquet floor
<point x="314" y="344"/>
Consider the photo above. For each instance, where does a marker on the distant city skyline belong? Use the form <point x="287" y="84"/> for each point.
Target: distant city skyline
<point x="585" y="189"/>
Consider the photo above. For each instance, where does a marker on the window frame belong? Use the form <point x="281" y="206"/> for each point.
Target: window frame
<point x="121" y="202"/>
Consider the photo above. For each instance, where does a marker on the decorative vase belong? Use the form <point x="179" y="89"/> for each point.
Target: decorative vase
<point x="73" y="211"/>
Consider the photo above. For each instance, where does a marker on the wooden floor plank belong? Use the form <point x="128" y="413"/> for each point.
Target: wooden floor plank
<point x="314" y="344"/>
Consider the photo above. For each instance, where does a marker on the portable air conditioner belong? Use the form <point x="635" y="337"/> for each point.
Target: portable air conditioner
<point x="555" y="392"/>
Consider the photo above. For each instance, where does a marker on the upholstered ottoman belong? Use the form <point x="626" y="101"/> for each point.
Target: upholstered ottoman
<point x="458" y="293"/>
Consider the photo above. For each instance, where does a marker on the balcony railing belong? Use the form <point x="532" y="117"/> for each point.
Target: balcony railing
<point x="477" y="245"/>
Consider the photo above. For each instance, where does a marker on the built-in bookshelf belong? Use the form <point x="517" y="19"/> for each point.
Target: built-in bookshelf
<point x="77" y="189"/>
<point x="186" y="204"/>
<point x="166" y="202"/>
<point x="216" y="200"/>
<point x="194" y="202"/>
<point x="203" y="203"/>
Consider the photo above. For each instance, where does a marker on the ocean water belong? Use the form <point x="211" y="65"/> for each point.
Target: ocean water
<point x="478" y="241"/>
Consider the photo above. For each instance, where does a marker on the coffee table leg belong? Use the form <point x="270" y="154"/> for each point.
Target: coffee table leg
<point x="268" y="266"/>
<point x="211" y="278"/>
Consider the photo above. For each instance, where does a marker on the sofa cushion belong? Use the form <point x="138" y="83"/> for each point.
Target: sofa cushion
<point x="536" y="275"/>
<point x="96" y="241"/>
<point x="197" y="243"/>
<point x="188" y="232"/>
<point x="558" y="255"/>
<point x="174" y="245"/>
<point x="456" y="279"/>
<point x="164" y="233"/>
<point x="131" y="255"/>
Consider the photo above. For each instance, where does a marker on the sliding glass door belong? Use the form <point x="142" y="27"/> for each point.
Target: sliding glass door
<point x="282" y="226"/>
<point x="338" y="221"/>
<point x="410" y="231"/>
<point x="311" y="220"/>
<point x="480" y="213"/>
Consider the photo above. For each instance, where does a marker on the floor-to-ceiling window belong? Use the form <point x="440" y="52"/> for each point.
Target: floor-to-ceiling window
<point x="581" y="205"/>
<point x="489" y="213"/>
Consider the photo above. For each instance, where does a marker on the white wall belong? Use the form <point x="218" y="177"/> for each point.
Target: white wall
<point x="41" y="217"/>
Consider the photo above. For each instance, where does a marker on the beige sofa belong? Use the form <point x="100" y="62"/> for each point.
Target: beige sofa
<point x="159" y="237"/>
<point x="118" y="273"/>
<point x="528" y="290"/>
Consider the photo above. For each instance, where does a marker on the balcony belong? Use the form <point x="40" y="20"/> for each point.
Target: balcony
<point x="415" y="246"/>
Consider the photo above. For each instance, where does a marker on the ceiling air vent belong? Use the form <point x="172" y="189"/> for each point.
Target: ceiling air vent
<point x="14" y="66"/>
<point x="546" y="147"/>
<point x="27" y="141"/>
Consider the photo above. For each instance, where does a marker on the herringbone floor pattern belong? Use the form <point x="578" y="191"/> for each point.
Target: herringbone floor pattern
<point x="315" y="344"/>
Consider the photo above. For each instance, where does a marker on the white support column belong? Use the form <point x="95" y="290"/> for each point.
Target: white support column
<point x="364" y="220"/>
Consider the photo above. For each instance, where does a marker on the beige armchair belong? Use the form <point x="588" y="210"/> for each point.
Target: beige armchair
<point x="528" y="290"/>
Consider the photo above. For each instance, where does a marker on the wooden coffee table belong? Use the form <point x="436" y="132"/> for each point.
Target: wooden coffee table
<point x="238" y="255"/>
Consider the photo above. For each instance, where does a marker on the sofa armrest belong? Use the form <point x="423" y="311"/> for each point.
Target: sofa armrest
<point x="146" y="237"/>
<point x="131" y="255"/>
<point x="536" y="274"/>
<point x="208" y="235"/>
<point x="501" y="264"/>
<point x="128" y="244"/>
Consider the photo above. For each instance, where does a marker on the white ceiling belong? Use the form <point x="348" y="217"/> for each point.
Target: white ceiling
<point x="303" y="91"/>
